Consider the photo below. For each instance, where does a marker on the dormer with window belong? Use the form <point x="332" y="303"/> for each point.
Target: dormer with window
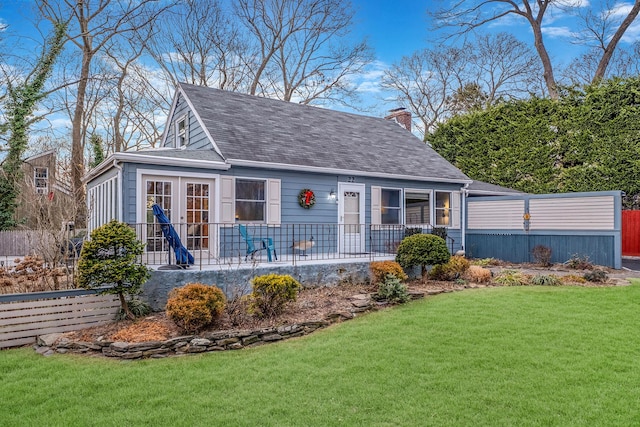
<point x="182" y="131"/>
<point x="41" y="180"/>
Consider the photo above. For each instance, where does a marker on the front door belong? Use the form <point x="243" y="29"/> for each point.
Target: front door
<point x="351" y="218"/>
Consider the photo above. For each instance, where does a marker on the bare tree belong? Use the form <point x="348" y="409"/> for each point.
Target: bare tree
<point x="94" y="24"/>
<point x="444" y="81"/>
<point x="466" y="15"/>
<point x="199" y="44"/>
<point x="299" y="48"/>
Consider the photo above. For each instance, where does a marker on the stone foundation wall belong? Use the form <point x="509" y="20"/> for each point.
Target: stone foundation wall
<point x="235" y="281"/>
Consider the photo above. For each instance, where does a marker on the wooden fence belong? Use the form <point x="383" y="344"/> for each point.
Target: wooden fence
<point x="22" y="242"/>
<point x="631" y="233"/>
<point x="23" y="317"/>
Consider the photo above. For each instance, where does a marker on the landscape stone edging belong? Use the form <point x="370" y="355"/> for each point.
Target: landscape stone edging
<point x="208" y="341"/>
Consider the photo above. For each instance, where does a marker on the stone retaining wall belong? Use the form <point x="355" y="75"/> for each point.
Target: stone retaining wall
<point x="235" y="281"/>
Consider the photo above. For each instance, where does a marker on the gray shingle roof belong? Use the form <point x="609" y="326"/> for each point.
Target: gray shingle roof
<point x="252" y="128"/>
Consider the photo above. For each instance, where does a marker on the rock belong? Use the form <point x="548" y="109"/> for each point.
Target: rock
<point x="173" y="341"/>
<point x="131" y="355"/>
<point x="195" y="349"/>
<point x="48" y="340"/>
<point x="119" y="346"/>
<point x="288" y="330"/>
<point x="434" y="291"/>
<point x="250" y="339"/>
<point x="62" y="350"/>
<point x="271" y="337"/>
<point x="144" y="346"/>
<point x="416" y="295"/>
<point x="361" y="297"/>
<point x="341" y="315"/>
<point x="459" y="253"/>
<point x="42" y="350"/>
<point x="200" y="342"/>
<point x="235" y="346"/>
<point x="360" y="303"/>
<point x="227" y="341"/>
<point x="155" y="352"/>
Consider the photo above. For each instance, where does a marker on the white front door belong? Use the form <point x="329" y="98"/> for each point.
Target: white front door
<point x="351" y="218"/>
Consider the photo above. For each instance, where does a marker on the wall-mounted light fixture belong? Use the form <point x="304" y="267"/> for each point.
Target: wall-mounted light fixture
<point x="332" y="195"/>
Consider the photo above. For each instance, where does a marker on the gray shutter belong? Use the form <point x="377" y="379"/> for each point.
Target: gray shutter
<point x="455" y="210"/>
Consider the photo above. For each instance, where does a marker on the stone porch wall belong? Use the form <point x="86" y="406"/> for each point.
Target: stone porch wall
<point x="235" y="281"/>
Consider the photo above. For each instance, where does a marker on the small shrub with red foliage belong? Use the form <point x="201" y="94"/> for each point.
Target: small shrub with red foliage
<point x="195" y="306"/>
<point x="380" y="269"/>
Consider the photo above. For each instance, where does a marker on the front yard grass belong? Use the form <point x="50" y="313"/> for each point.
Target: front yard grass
<point x="500" y="356"/>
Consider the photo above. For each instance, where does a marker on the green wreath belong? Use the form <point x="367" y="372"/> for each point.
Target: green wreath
<point x="306" y="198"/>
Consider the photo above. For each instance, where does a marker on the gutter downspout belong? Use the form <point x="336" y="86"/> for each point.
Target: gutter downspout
<point x="119" y="195"/>
<point x="465" y="194"/>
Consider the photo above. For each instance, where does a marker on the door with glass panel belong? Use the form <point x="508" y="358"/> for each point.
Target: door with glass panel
<point x="196" y="229"/>
<point x="187" y="203"/>
<point x="351" y="233"/>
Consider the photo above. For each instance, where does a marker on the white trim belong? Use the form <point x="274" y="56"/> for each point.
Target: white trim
<point x="176" y="130"/>
<point x="361" y="189"/>
<point x="199" y="119"/>
<point x="165" y="133"/>
<point x="154" y="160"/>
<point x="334" y="171"/>
<point x="140" y="191"/>
<point x="450" y="208"/>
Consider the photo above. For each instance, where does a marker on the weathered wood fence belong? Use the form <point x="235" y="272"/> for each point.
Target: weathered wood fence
<point x="23" y="242"/>
<point x="23" y="317"/>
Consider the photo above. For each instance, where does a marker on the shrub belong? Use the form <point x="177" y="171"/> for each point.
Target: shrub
<point x="195" y="306"/>
<point x="440" y="232"/>
<point x="485" y="262"/>
<point x="137" y="307"/>
<point x="271" y="293"/>
<point x="392" y="290"/>
<point x="579" y="262"/>
<point x="545" y="280"/>
<point x="542" y="255"/>
<point x="452" y="270"/>
<point x="478" y="274"/>
<point x="410" y="231"/>
<point x="422" y="250"/>
<point x="596" y="275"/>
<point x="380" y="269"/>
<point x="572" y="278"/>
<point x="510" y="278"/>
<point x="109" y="259"/>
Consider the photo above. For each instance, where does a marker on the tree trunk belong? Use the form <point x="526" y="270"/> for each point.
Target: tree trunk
<point x="125" y="307"/>
<point x="611" y="47"/>
<point x="549" y="78"/>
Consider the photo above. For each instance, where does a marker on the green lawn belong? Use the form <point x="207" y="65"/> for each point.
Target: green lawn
<point x="496" y="357"/>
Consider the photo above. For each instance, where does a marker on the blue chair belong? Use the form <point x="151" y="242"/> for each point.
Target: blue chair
<point x="266" y="244"/>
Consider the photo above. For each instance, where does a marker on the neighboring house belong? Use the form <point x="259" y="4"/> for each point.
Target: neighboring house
<point x="481" y="188"/>
<point x="229" y="158"/>
<point x="43" y="198"/>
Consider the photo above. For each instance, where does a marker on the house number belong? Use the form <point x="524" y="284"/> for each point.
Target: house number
<point x="351" y="179"/>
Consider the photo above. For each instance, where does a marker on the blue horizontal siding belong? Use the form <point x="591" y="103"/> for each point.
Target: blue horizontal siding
<point x="601" y="249"/>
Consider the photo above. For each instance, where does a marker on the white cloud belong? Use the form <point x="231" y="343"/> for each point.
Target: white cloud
<point x="621" y="9"/>
<point x="369" y="80"/>
<point x="3" y="25"/>
<point x="558" y="32"/>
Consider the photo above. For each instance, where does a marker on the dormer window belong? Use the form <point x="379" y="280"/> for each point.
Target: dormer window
<point x="181" y="131"/>
<point x="41" y="180"/>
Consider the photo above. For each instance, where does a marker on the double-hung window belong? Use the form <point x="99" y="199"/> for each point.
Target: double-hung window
<point x="417" y="207"/>
<point x="182" y="129"/>
<point x="250" y="200"/>
<point x="443" y="209"/>
<point x="391" y="208"/>
<point x="41" y="180"/>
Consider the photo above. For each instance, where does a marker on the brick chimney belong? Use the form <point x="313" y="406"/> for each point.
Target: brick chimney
<point x="401" y="116"/>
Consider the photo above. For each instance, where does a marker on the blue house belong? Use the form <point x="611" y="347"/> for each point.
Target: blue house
<point x="343" y="184"/>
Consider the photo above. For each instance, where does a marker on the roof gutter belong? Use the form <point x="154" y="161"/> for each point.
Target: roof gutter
<point x="156" y="160"/>
<point x="334" y="171"/>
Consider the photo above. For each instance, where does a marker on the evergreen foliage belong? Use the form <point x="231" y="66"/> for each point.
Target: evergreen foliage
<point x="195" y="306"/>
<point x="109" y="259"/>
<point x="21" y="103"/>
<point x="98" y="152"/>
<point x="422" y="250"/>
<point x="587" y="140"/>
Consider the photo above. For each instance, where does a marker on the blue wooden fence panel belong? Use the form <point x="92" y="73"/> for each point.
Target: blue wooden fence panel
<point x="518" y="247"/>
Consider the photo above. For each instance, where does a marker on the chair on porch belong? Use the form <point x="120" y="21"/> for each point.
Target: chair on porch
<point x="266" y="244"/>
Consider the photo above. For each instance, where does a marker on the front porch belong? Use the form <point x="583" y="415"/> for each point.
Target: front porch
<point x="251" y="246"/>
